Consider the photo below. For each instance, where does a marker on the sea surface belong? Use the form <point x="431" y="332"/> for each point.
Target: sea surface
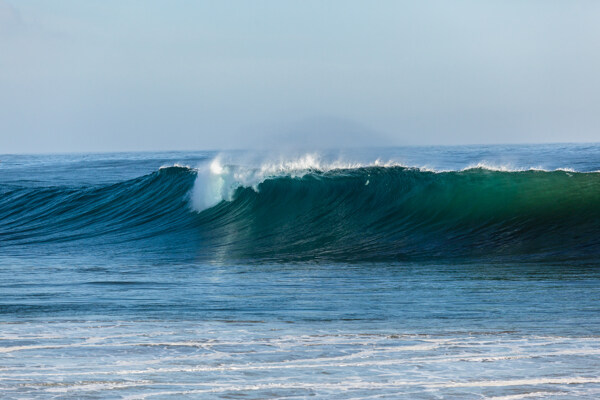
<point x="467" y="272"/>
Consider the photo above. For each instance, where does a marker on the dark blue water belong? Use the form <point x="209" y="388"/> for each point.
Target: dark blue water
<point x="438" y="272"/>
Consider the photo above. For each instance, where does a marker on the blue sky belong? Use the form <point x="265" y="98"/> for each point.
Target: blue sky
<point x="162" y="75"/>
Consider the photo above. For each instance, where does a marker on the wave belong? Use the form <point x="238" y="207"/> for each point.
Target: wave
<point x="138" y="208"/>
<point x="307" y="211"/>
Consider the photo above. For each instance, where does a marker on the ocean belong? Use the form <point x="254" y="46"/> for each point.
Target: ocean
<point x="461" y="272"/>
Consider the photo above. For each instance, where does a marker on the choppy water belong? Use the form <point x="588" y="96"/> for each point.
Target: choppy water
<point x="451" y="272"/>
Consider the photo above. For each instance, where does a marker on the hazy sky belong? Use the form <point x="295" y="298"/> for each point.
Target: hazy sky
<point x="162" y="75"/>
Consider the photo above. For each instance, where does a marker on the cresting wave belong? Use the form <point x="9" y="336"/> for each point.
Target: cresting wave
<point x="334" y="212"/>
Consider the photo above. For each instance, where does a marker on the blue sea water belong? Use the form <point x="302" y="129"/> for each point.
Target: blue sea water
<point x="419" y="272"/>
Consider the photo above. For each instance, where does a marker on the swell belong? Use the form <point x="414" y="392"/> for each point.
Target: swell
<point x="356" y="214"/>
<point x="134" y="209"/>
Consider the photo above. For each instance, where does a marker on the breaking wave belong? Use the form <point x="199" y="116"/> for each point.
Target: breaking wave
<point x="310" y="211"/>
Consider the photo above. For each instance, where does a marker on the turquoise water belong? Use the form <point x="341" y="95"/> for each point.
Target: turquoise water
<point x="450" y="272"/>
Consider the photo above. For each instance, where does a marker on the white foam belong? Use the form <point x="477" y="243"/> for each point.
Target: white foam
<point x="529" y="395"/>
<point x="141" y="361"/>
<point x="209" y="188"/>
<point x="575" y="380"/>
<point x="176" y="165"/>
<point x="348" y="385"/>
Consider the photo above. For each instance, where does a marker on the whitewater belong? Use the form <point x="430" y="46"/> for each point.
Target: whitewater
<point x="411" y="272"/>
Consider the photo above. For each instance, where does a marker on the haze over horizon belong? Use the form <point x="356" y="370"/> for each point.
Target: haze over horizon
<point x="138" y="76"/>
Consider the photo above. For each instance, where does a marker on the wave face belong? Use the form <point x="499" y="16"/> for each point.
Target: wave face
<point x="372" y="213"/>
<point x="135" y="209"/>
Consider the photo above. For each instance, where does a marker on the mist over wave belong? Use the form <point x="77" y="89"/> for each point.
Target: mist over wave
<point x="306" y="209"/>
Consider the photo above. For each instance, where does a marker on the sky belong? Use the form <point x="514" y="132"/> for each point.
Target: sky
<point x="124" y="75"/>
